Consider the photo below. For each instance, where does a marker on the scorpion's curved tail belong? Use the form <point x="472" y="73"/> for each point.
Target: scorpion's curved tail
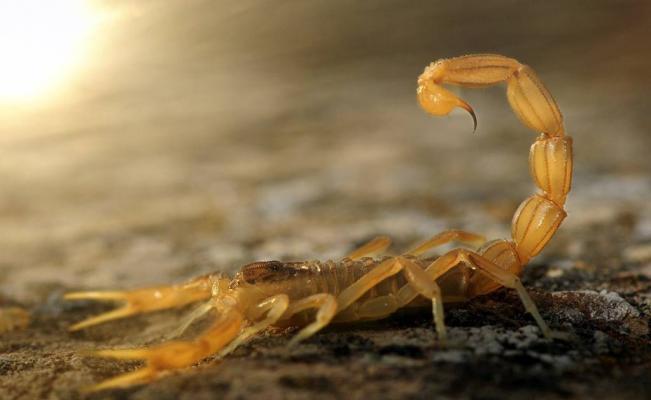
<point x="550" y="158"/>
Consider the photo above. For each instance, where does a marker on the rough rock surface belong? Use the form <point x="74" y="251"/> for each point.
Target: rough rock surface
<point x="198" y="141"/>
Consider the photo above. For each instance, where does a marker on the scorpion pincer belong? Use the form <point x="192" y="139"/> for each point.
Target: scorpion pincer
<point x="359" y="287"/>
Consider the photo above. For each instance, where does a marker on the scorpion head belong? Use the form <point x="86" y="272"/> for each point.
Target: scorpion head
<point x="222" y="291"/>
<point x="219" y="284"/>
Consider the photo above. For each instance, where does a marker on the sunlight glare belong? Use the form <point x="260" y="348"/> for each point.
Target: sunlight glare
<point x="40" y="42"/>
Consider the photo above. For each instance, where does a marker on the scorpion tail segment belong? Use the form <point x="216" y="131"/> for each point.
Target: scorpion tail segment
<point x="143" y="300"/>
<point x="174" y="355"/>
<point x="529" y="98"/>
<point x="533" y="104"/>
<point x="474" y="70"/>
<point x="439" y="101"/>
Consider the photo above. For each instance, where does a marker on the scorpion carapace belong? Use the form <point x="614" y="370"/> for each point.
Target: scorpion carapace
<point x="358" y="287"/>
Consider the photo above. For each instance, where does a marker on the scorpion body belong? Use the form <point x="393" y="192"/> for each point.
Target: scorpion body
<point x="360" y="287"/>
<point x="299" y="280"/>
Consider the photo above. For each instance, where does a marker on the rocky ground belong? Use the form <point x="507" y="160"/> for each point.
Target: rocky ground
<point x="198" y="141"/>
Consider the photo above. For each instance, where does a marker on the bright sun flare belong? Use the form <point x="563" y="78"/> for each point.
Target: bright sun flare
<point x="40" y="40"/>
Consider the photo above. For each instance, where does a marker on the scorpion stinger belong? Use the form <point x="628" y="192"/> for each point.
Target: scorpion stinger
<point x="438" y="100"/>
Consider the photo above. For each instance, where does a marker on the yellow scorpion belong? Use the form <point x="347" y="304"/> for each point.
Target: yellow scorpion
<point x="359" y="287"/>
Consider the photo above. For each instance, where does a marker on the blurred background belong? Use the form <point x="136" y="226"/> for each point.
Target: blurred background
<point x="149" y="141"/>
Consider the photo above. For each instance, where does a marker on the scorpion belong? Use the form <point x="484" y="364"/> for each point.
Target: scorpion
<point x="363" y="286"/>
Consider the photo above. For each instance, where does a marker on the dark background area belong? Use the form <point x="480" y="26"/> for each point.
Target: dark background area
<point x="202" y="135"/>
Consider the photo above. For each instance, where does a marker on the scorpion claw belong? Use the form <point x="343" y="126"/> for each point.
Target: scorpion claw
<point x="118" y="313"/>
<point x="140" y="376"/>
<point x="174" y="355"/>
<point x="158" y="360"/>
<point x="101" y="318"/>
<point x="142" y="300"/>
<point x="124" y="354"/>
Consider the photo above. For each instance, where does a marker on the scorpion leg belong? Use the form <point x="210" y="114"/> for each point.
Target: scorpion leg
<point x="373" y="308"/>
<point x="509" y="280"/>
<point x="353" y="292"/>
<point x="173" y="355"/>
<point x="274" y="307"/>
<point x="144" y="300"/>
<point x="426" y="287"/>
<point x="446" y="237"/>
<point x="505" y="278"/>
<point x="327" y="308"/>
<point x="416" y="277"/>
<point x="436" y="269"/>
<point x="377" y="245"/>
<point x="197" y="313"/>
